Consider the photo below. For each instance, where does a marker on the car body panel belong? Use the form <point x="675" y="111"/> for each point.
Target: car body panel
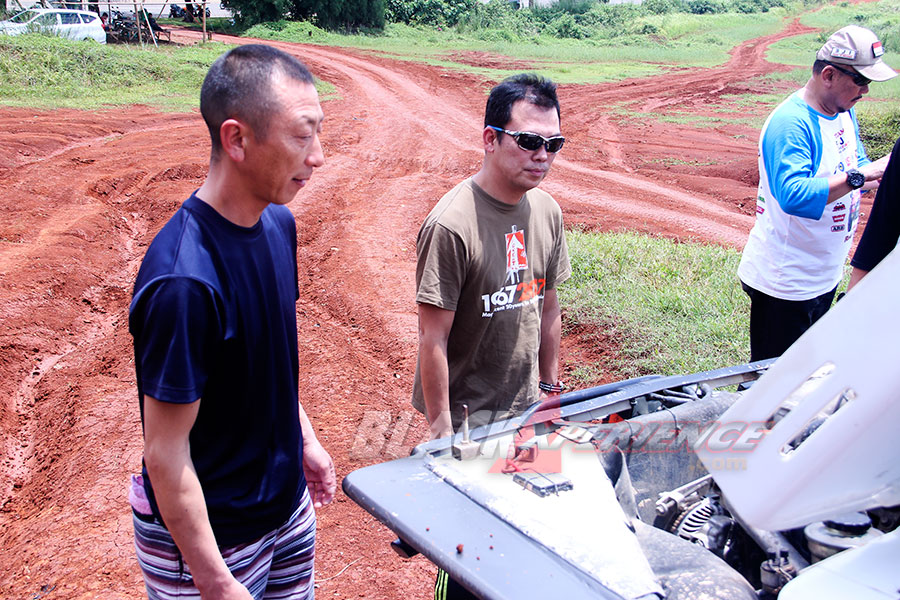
<point x="463" y="515"/>
<point x="67" y="23"/>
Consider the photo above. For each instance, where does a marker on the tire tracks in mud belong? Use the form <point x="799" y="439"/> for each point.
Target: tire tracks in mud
<point x="69" y="415"/>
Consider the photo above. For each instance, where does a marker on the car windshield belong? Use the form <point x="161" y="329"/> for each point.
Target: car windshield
<point x="24" y="17"/>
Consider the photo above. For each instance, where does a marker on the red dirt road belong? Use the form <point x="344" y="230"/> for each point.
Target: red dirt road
<point x="84" y="192"/>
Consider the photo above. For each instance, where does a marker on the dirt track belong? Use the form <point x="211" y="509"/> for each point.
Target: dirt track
<point x="84" y="192"/>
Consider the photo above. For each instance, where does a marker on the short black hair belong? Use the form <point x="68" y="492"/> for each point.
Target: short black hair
<point x="239" y="86"/>
<point x="819" y="65"/>
<point x="531" y="87"/>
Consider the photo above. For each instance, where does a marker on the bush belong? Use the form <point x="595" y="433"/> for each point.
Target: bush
<point x="340" y="14"/>
<point x="660" y="7"/>
<point x="439" y="13"/>
<point x="704" y="7"/>
<point x="499" y="16"/>
<point x="288" y="31"/>
<point x="250" y="12"/>
<point x="565" y="26"/>
<point x="610" y="17"/>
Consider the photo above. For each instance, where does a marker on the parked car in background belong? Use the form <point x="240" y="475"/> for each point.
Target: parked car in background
<point x="71" y="24"/>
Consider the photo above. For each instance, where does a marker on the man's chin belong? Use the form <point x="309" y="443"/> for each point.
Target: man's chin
<point x="843" y="109"/>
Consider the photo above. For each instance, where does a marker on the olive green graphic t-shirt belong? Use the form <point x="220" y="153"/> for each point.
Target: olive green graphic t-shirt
<point x="491" y="263"/>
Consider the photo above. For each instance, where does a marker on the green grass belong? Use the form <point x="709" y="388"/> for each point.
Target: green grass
<point x="879" y="126"/>
<point x="672" y="307"/>
<point x="214" y="24"/>
<point x="50" y="72"/>
<point x="680" y="40"/>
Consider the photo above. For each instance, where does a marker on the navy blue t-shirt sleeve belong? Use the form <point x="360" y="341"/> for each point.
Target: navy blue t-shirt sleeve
<point x="176" y="324"/>
<point x="883" y="228"/>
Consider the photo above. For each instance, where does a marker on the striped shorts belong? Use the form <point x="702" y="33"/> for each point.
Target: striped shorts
<point x="279" y="565"/>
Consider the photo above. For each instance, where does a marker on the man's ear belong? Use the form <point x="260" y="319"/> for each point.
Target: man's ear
<point x="828" y="74"/>
<point x="233" y="134"/>
<point x="491" y="138"/>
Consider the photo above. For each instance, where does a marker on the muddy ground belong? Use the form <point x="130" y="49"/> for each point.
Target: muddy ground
<point x="84" y="192"/>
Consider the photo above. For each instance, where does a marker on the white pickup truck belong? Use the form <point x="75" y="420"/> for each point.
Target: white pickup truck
<point x="778" y="479"/>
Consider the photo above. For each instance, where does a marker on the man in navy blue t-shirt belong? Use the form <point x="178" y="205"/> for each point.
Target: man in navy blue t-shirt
<point x="232" y="468"/>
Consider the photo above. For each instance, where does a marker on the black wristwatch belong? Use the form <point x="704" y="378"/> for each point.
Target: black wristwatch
<point x="855" y="179"/>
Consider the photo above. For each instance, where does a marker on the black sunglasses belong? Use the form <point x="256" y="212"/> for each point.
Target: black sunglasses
<point x="532" y="141"/>
<point x="858" y="79"/>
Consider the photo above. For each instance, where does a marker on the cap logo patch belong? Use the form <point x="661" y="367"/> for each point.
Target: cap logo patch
<point x="846" y="53"/>
<point x="877" y="49"/>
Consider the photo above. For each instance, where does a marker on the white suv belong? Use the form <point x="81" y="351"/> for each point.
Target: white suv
<point x="72" y="24"/>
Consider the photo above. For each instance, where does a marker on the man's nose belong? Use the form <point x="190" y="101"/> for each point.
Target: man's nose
<point x="316" y="157"/>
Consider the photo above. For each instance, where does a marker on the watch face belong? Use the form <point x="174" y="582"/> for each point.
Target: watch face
<point x="855" y="179"/>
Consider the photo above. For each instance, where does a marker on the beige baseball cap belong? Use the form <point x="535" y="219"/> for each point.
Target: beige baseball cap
<point x="859" y="48"/>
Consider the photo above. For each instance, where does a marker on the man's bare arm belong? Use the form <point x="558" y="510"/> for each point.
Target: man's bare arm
<point x="551" y="329"/>
<point x="318" y="467"/>
<point x="434" y="370"/>
<point x="167" y="455"/>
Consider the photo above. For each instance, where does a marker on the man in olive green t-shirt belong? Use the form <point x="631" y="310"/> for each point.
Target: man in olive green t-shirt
<point x="490" y="256"/>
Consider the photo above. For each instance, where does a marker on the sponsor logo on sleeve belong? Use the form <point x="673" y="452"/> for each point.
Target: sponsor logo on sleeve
<point x="838" y="218"/>
<point x="838" y="206"/>
<point x="760" y="209"/>
<point x="837" y="227"/>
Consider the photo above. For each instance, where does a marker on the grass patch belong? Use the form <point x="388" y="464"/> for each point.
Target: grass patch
<point x="214" y="24"/>
<point x="674" y="307"/>
<point x="673" y="162"/>
<point x="50" y="72"/>
<point x="879" y="126"/>
<point x="677" y="39"/>
<point x="706" y="121"/>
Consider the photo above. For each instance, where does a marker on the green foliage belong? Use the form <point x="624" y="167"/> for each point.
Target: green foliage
<point x="289" y="31"/>
<point x="249" y="12"/>
<point x="439" y="13"/>
<point x="565" y="26"/>
<point x="499" y="20"/>
<point x="660" y="7"/>
<point x="330" y="14"/>
<point x="673" y="307"/>
<point x="215" y="24"/>
<point x="341" y="14"/>
<point x="704" y="7"/>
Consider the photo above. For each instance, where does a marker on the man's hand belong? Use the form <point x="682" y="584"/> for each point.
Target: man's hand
<point x="319" y="470"/>
<point x="230" y="590"/>
<point x="441" y="426"/>
<point x="874" y="172"/>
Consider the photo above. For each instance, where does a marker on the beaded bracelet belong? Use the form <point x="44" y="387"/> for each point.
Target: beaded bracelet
<point x="554" y="388"/>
